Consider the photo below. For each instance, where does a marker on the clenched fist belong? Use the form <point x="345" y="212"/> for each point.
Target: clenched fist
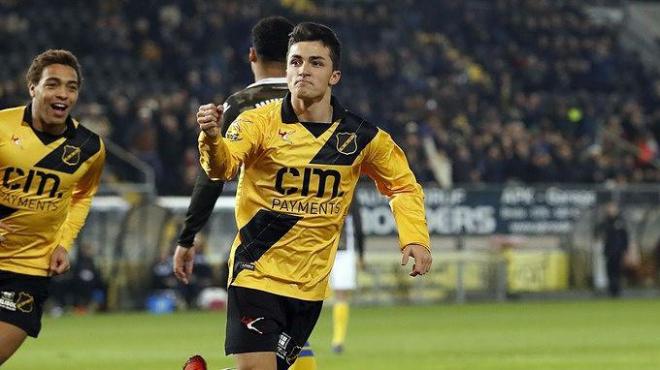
<point x="208" y="119"/>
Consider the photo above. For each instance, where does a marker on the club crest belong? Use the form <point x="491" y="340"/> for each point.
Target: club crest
<point x="25" y="302"/>
<point x="346" y="142"/>
<point x="71" y="155"/>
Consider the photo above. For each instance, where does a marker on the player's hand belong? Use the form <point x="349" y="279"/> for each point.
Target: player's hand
<point x="208" y="119"/>
<point x="422" y="258"/>
<point x="183" y="263"/>
<point x="59" y="261"/>
<point x="6" y="227"/>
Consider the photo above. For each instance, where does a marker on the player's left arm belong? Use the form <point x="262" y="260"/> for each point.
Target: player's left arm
<point x="386" y="164"/>
<point x="81" y="200"/>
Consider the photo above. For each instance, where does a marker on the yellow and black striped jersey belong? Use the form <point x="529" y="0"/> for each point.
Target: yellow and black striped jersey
<point x="295" y="188"/>
<point x="47" y="186"/>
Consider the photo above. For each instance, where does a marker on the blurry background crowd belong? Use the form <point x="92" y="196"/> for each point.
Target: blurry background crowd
<point x="475" y="91"/>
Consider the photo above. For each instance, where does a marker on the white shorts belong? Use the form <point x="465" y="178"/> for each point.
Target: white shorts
<point x="344" y="272"/>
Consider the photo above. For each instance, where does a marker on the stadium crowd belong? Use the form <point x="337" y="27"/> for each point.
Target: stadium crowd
<point x="503" y="90"/>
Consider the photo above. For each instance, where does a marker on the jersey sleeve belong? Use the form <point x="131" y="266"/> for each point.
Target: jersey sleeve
<point x="221" y="158"/>
<point x="81" y="200"/>
<point x="387" y="165"/>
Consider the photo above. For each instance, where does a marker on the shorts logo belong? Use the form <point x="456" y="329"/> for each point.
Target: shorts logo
<point x="287" y="349"/>
<point x="71" y="155"/>
<point x="24" y="303"/>
<point x="7" y="301"/>
<point x="249" y="323"/>
<point x="346" y="142"/>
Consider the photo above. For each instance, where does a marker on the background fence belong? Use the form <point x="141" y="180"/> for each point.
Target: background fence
<point x="489" y="243"/>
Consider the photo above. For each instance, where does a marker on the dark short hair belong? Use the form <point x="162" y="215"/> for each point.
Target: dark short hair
<point x="310" y="31"/>
<point x="270" y="38"/>
<point x="52" y="56"/>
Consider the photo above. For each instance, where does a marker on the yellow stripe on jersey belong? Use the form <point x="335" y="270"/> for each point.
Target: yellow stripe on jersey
<point x="46" y="190"/>
<point x="295" y="190"/>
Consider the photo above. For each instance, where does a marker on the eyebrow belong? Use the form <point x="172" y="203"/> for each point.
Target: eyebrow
<point x="313" y="57"/>
<point x="57" y="79"/>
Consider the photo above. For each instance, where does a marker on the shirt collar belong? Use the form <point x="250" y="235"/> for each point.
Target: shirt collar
<point x="289" y="116"/>
<point x="70" y="126"/>
<point x="268" y="81"/>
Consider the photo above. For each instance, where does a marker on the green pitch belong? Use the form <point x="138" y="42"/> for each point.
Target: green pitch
<point x="598" y="335"/>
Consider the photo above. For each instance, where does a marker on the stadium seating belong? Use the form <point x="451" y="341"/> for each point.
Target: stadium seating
<point x="506" y="90"/>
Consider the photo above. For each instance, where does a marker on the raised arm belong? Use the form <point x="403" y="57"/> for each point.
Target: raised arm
<point x="221" y="158"/>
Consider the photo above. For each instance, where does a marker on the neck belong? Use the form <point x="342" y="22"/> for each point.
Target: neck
<point x="319" y="110"/>
<point x="268" y="70"/>
<point x="40" y="126"/>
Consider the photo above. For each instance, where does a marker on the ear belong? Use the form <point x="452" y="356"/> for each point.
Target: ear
<point x="334" y="78"/>
<point x="31" y="88"/>
<point x="252" y="55"/>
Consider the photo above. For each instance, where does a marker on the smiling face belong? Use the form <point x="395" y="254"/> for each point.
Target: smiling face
<point x="55" y="95"/>
<point x="310" y="73"/>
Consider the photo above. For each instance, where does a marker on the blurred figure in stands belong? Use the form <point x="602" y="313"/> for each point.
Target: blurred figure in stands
<point x="88" y="287"/>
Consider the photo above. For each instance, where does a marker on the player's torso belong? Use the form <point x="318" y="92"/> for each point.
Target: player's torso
<point x="295" y="173"/>
<point x="39" y="173"/>
<point x="308" y="173"/>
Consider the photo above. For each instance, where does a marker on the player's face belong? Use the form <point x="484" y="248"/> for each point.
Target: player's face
<point x="54" y="96"/>
<point x="309" y="71"/>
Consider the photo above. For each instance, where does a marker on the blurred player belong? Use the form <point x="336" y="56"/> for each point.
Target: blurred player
<point x="343" y="278"/>
<point x="267" y="56"/>
<point x="51" y="166"/>
<point x="301" y="158"/>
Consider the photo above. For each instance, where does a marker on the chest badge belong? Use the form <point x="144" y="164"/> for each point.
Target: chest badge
<point x="71" y="155"/>
<point x="346" y="142"/>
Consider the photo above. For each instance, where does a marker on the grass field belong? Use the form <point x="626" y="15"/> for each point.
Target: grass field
<point x="598" y="335"/>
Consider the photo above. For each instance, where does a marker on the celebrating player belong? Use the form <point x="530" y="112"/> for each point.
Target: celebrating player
<point x="51" y="166"/>
<point x="267" y="56"/>
<point x="301" y="158"/>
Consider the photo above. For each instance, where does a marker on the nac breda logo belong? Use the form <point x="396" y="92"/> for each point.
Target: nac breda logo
<point x="346" y="142"/>
<point x="71" y="155"/>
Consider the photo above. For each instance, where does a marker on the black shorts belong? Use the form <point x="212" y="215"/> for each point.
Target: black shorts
<point x="259" y="321"/>
<point x="22" y="299"/>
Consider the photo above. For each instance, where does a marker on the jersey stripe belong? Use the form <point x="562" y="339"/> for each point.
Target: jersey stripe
<point x="344" y="146"/>
<point x="72" y="153"/>
<point x="259" y="234"/>
<point x="6" y="211"/>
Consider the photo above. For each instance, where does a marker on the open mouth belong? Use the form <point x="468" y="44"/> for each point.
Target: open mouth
<point x="59" y="107"/>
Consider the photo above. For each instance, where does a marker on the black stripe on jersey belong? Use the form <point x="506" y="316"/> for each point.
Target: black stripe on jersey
<point x="6" y="211"/>
<point x="316" y="128"/>
<point x="73" y="152"/>
<point x="258" y="235"/>
<point x="351" y="136"/>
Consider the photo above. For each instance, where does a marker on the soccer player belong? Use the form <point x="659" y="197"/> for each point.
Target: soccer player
<point x="301" y="158"/>
<point x="51" y="167"/>
<point x="343" y="277"/>
<point x="267" y="56"/>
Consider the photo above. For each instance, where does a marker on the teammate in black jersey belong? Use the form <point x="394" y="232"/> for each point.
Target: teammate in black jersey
<point x="267" y="57"/>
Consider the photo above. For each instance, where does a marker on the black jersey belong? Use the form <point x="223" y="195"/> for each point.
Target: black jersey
<point x="206" y="192"/>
